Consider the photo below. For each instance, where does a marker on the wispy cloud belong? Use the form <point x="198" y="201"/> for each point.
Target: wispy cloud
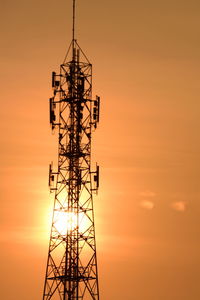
<point x="179" y="206"/>
<point x="147" y="204"/>
<point x="147" y="201"/>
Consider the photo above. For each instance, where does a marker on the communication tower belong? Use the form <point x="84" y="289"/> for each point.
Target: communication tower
<point x="71" y="272"/>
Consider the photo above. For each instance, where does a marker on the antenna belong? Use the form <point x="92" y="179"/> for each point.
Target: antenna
<point x="73" y="26"/>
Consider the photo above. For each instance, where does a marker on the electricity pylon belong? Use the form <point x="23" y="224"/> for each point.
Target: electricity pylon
<point x="71" y="272"/>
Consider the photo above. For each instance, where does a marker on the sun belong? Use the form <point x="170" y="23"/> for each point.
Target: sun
<point x="65" y="221"/>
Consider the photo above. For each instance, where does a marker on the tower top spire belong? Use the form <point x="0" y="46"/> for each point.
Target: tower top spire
<point x="74" y="17"/>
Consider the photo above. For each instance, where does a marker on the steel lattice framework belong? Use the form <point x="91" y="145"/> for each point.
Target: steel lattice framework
<point x="71" y="271"/>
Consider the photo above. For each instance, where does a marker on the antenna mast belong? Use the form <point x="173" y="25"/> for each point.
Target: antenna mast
<point x="73" y="27"/>
<point x="74" y="3"/>
<point x="71" y="272"/>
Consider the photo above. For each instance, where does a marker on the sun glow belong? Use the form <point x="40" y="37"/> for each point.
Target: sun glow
<point x="66" y="221"/>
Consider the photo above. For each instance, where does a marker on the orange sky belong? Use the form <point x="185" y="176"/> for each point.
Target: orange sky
<point x="146" y="63"/>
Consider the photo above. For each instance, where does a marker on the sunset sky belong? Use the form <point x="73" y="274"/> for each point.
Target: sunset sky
<point x="146" y="68"/>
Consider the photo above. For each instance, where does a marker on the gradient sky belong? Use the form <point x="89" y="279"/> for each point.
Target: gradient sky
<point x="146" y="66"/>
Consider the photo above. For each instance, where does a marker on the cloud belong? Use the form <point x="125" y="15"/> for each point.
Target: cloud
<point x="147" y="197"/>
<point x="179" y="206"/>
<point x="147" y="204"/>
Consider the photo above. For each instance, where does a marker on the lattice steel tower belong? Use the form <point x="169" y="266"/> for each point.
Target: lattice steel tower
<point x="71" y="272"/>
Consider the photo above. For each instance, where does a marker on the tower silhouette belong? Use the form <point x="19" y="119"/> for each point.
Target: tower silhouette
<point x="71" y="272"/>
